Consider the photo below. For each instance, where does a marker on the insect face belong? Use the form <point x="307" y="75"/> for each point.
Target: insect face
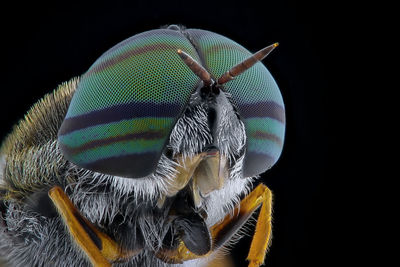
<point x="142" y="159"/>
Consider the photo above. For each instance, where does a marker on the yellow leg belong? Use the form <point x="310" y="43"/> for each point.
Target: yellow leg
<point x="223" y="231"/>
<point x="99" y="247"/>
<point x="262" y="235"/>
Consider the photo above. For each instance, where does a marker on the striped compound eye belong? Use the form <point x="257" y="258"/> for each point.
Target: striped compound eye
<point x="125" y="106"/>
<point x="127" y="103"/>
<point x="255" y="94"/>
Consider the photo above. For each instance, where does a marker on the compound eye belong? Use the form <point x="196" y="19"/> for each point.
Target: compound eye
<point x="125" y="106"/>
<point x="256" y="96"/>
<point x="261" y="107"/>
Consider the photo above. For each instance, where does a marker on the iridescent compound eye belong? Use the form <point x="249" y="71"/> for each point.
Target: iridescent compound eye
<point x="127" y="103"/>
<point x="255" y="94"/>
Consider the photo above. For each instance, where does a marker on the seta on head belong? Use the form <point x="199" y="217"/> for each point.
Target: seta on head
<point x="127" y="103"/>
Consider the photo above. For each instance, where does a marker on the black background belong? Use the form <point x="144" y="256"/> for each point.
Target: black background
<point x="44" y="45"/>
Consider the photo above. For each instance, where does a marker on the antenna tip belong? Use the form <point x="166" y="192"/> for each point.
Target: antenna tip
<point x="182" y="54"/>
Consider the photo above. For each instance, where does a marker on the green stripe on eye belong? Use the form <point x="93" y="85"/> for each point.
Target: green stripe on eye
<point x="116" y="129"/>
<point x="266" y="147"/>
<point x="119" y="149"/>
<point x="265" y="125"/>
<point x="265" y="136"/>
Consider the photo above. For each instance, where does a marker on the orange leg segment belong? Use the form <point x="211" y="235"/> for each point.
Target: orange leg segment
<point x="262" y="235"/>
<point x="99" y="247"/>
<point x="222" y="232"/>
